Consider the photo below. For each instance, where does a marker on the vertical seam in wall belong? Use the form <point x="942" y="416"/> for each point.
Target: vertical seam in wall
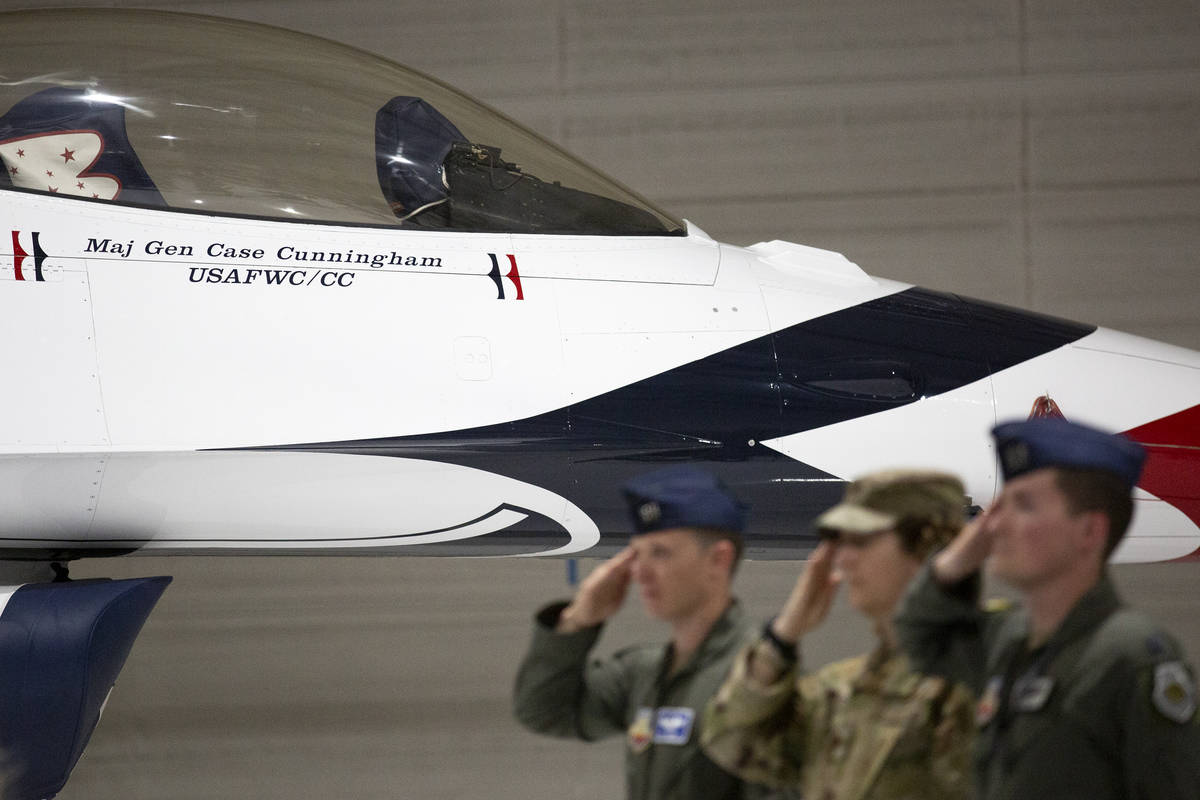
<point x="1025" y="179"/>
<point x="560" y="81"/>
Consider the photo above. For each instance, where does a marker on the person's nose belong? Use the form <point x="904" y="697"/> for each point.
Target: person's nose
<point x="845" y="557"/>
<point x="638" y="570"/>
<point x="993" y="518"/>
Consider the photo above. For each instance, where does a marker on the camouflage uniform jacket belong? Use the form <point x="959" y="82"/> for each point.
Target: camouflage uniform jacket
<point x="1106" y="708"/>
<point x="866" y="727"/>
<point x="561" y="692"/>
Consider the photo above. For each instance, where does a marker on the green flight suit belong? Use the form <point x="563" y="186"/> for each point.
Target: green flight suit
<point x="859" y="729"/>
<point x="560" y="692"/>
<point x="1105" y="709"/>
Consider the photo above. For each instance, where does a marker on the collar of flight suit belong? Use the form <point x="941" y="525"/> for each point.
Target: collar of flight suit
<point x="1095" y="606"/>
<point x="724" y="634"/>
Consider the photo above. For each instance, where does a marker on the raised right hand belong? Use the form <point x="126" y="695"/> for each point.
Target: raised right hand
<point x="811" y="597"/>
<point x="966" y="553"/>
<point x="601" y="594"/>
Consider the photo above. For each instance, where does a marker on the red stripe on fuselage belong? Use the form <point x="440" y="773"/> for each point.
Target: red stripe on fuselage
<point x="19" y="255"/>
<point x="1172" y="471"/>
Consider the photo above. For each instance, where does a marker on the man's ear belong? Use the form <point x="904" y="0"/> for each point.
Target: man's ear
<point x="1095" y="531"/>
<point x="722" y="554"/>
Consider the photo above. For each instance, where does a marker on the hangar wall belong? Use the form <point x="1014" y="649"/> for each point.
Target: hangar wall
<point x="1040" y="153"/>
<point x="1044" y="154"/>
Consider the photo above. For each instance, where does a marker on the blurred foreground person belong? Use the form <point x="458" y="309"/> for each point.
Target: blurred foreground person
<point x="686" y="545"/>
<point x="867" y="727"/>
<point x="1081" y="697"/>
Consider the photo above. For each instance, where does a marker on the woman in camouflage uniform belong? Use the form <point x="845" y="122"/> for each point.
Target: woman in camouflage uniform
<point x="866" y="727"/>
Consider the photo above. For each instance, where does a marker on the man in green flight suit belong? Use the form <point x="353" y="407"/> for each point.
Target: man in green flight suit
<point x="1079" y="696"/>
<point x="683" y="554"/>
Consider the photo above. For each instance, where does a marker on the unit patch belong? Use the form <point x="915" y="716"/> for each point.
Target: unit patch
<point x="641" y="732"/>
<point x="989" y="702"/>
<point x="1174" y="692"/>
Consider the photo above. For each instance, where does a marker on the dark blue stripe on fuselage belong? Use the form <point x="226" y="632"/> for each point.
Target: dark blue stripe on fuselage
<point x="715" y="411"/>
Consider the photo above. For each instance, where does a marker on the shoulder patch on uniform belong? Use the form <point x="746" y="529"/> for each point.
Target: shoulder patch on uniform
<point x="1174" y="692"/>
<point x="995" y="605"/>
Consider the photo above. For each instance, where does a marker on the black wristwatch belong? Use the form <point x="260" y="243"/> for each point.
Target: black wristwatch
<point x="786" y="650"/>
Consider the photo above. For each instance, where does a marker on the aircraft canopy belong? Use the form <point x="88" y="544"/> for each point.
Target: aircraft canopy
<point x="229" y="117"/>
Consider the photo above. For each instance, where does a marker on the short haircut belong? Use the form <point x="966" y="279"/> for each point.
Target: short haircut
<point x="1098" y="490"/>
<point x="710" y="536"/>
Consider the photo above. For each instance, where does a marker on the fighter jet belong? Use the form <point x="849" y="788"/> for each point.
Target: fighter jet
<point x="265" y="293"/>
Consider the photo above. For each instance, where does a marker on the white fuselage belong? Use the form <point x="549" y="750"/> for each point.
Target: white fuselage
<point x="161" y="347"/>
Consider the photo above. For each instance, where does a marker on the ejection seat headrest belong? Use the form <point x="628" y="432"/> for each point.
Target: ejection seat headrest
<point x="412" y="139"/>
<point x="68" y="140"/>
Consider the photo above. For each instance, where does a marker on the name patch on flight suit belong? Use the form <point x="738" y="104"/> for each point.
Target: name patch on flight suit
<point x="1031" y="692"/>
<point x="673" y="725"/>
<point x="661" y="726"/>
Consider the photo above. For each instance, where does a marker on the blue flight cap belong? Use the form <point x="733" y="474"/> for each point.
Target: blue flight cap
<point x="682" y="497"/>
<point x="1053" y="442"/>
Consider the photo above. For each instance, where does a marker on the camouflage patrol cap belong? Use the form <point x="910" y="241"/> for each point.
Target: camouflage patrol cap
<point x="882" y="500"/>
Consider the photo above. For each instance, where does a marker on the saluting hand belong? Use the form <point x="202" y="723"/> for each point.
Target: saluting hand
<point x="967" y="552"/>
<point x="601" y="594"/>
<point x="811" y="597"/>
